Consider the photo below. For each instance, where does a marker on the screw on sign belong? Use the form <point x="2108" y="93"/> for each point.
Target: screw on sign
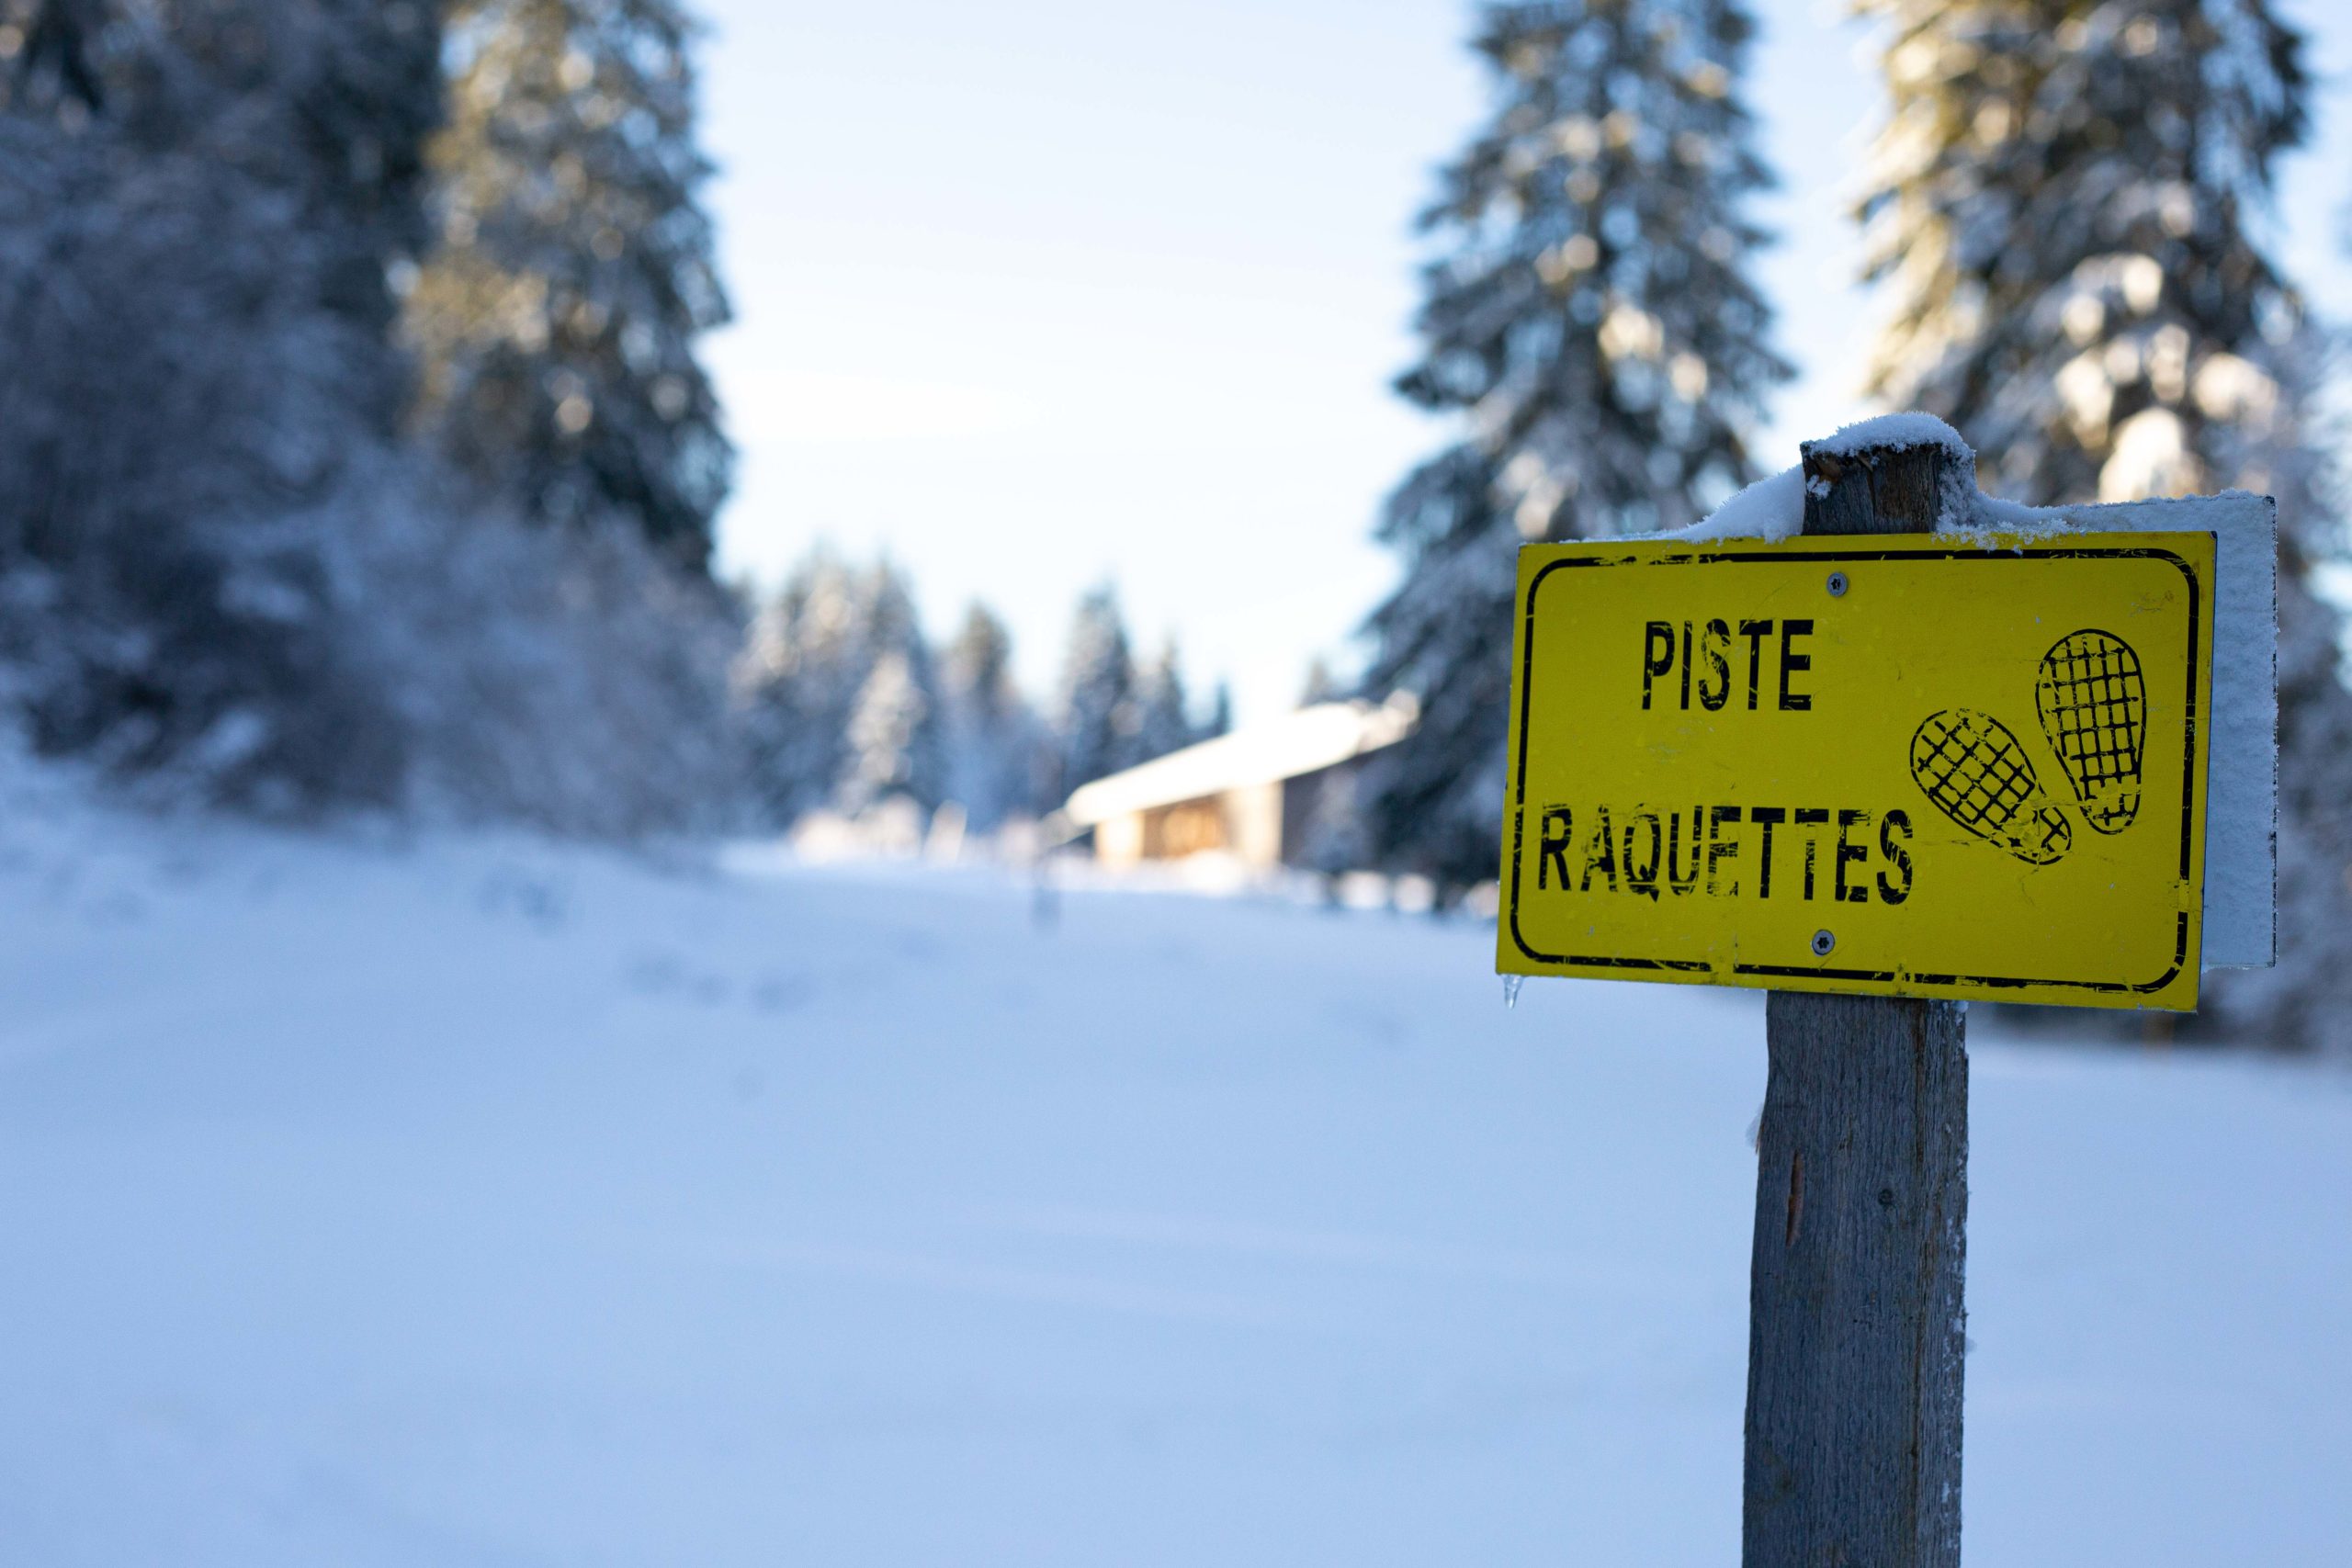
<point x="1977" y="766"/>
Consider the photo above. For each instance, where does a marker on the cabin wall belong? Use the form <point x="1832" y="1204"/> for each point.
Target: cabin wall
<point x="1120" y="840"/>
<point x="1186" y="828"/>
<point x="1262" y="826"/>
<point x="1253" y="816"/>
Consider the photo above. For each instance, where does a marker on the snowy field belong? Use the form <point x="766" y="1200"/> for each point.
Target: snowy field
<point x="479" y="1203"/>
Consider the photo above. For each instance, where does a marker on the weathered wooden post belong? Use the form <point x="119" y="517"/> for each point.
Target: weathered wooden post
<point x="1855" y="1315"/>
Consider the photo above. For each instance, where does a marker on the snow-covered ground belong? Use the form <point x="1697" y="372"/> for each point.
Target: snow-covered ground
<point x="473" y="1201"/>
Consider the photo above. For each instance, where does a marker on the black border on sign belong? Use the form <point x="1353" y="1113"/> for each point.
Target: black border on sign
<point x="1888" y="977"/>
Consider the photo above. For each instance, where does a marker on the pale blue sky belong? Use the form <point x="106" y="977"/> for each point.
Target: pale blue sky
<point x="1042" y="291"/>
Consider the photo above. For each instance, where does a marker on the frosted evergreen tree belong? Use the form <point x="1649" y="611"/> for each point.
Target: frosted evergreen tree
<point x="1220" y="719"/>
<point x="2063" y="207"/>
<point x="1097" y="710"/>
<point x="1164" y="720"/>
<point x="325" y="106"/>
<point x="802" y="667"/>
<point x="1590" y="321"/>
<point x="223" y="575"/>
<point x="353" y="89"/>
<point x="893" y="739"/>
<point x="896" y="728"/>
<point x="812" y="669"/>
<point x="557" y="322"/>
<point x="198" y="203"/>
<point x="2060" y="208"/>
<point x="995" y="744"/>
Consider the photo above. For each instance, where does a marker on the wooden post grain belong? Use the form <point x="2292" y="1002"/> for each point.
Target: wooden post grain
<point x="1855" y="1314"/>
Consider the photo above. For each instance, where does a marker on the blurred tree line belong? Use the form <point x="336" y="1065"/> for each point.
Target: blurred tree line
<point x="2063" y="208"/>
<point x="353" y="442"/>
<point x="845" y="706"/>
<point x="355" y="450"/>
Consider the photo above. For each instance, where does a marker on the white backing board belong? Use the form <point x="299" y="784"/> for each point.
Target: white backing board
<point x="2241" y="769"/>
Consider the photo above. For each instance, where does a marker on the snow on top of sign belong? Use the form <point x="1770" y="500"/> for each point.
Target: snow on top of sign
<point x="2010" y="516"/>
<point x="1895" y="433"/>
<point x="1768" y="509"/>
<point x="1774" y="508"/>
<point x="2009" y="520"/>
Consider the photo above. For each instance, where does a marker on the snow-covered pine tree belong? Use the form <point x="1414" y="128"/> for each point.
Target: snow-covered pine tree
<point x="813" y="665"/>
<point x="1591" y="321"/>
<point x="1096" y="714"/>
<point x="1220" y="719"/>
<point x="192" y="261"/>
<point x="893" y="739"/>
<point x="325" y="106"/>
<point x="1164" y="720"/>
<point x="555" y="323"/>
<point x="222" y="576"/>
<point x="902" y="682"/>
<point x="2063" y="207"/>
<point x="2059" y="207"/>
<point x="331" y="102"/>
<point x="797" y="682"/>
<point x="995" y="747"/>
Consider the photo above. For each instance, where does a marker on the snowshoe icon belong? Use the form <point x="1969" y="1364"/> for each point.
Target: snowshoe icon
<point x="2094" y="704"/>
<point x="1973" y="767"/>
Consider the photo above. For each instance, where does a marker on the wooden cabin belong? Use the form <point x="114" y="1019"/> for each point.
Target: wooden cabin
<point x="1252" y="795"/>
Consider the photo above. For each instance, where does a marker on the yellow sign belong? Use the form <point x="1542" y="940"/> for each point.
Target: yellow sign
<point x="1900" y="764"/>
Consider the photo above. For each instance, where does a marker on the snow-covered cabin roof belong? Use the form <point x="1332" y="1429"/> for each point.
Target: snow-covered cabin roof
<point x="1296" y="743"/>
